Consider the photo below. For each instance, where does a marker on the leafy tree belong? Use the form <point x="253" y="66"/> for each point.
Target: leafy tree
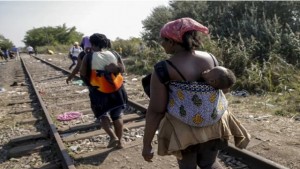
<point x="5" y="43"/>
<point x="290" y="46"/>
<point x="51" y="36"/>
<point x="253" y="38"/>
<point x="153" y="23"/>
<point x="128" y="47"/>
<point x="229" y="16"/>
<point x="192" y="9"/>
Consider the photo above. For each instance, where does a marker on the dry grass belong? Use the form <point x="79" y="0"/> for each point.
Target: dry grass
<point x="282" y="104"/>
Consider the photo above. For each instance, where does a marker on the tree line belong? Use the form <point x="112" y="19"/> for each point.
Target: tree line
<point x="258" y="40"/>
<point x="46" y="36"/>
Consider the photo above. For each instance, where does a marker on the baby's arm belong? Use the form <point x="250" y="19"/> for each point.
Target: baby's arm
<point x="113" y="68"/>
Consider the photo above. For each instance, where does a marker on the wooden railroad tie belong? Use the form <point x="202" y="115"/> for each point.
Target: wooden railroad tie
<point x="28" y="149"/>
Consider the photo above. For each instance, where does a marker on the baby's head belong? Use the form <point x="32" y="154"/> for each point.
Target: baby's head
<point x="219" y="77"/>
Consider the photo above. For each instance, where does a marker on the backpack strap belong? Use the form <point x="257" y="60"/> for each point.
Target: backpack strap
<point x="119" y="58"/>
<point x="86" y="79"/>
<point x="163" y="73"/>
<point x="171" y="64"/>
<point x="117" y="55"/>
<point x="216" y="63"/>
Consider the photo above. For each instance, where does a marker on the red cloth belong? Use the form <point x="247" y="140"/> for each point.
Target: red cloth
<point x="175" y="29"/>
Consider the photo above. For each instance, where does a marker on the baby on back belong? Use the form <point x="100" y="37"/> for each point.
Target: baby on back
<point x="219" y="77"/>
<point x="102" y="59"/>
<point x="100" y="76"/>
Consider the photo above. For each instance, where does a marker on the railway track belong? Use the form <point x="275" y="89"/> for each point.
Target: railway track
<point x="67" y="143"/>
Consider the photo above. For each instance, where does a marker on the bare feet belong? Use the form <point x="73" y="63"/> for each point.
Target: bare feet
<point x="120" y="144"/>
<point x="113" y="143"/>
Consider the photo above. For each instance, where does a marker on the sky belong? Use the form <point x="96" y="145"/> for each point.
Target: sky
<point x="114" y="18"/>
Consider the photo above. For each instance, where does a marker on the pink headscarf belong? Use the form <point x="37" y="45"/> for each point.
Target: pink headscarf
<point x="175" y="29"/>
<point x="86" y="42"/>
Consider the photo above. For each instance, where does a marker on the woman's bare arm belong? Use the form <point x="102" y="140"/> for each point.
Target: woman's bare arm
<point x="83" y="67"/>
<point x="75" y="70"/>
<point x="156" y="111"/>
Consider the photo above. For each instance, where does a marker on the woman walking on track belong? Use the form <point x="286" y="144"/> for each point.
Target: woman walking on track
<point x="101" y="71"/>
<point x="192" y="117"/>
<point x="74" y="52"/>
<point x="86" y="45"/>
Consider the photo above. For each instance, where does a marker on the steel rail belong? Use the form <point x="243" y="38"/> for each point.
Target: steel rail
<point x="67" y="161"/>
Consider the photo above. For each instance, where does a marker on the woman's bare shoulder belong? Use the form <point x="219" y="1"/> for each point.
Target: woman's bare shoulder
<point x="204" y="59"/>
<point x="202" y="54"/>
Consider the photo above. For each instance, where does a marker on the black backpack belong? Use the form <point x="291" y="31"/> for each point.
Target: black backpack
<point x="86" y="79"/>
<point x="162" y="73"/>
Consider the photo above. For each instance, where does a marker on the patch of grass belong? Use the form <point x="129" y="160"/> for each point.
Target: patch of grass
<point x="281" y="104"/>
<point x="280" y="112"/>
<point x="3" y="102"/>
<point x="236" y="101"/>
<point x="285" y="104"/>
<point x="54" y="48"/>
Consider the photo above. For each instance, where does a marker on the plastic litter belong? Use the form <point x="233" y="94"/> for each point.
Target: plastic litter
<point x="78" y="82"/>
<point x="67" y="116"/>
<point x="82" y="91"/>
<point x="242" y="93"/>
<point x="2" y="89"/>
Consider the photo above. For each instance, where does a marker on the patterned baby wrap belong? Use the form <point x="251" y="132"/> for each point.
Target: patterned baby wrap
<point x="196" y="103"/>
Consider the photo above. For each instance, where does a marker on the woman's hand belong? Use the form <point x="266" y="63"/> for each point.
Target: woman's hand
<point x="70" y="77"/>
<point x="148" y="153"/>
<point x="68" y="80"/>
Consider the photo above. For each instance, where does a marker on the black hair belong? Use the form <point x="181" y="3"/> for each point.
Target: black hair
<point x="228" y="79"/>
<point x="100" y="40"/>
<point x="191" y="40"/>
<point x="108" y="43"/>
